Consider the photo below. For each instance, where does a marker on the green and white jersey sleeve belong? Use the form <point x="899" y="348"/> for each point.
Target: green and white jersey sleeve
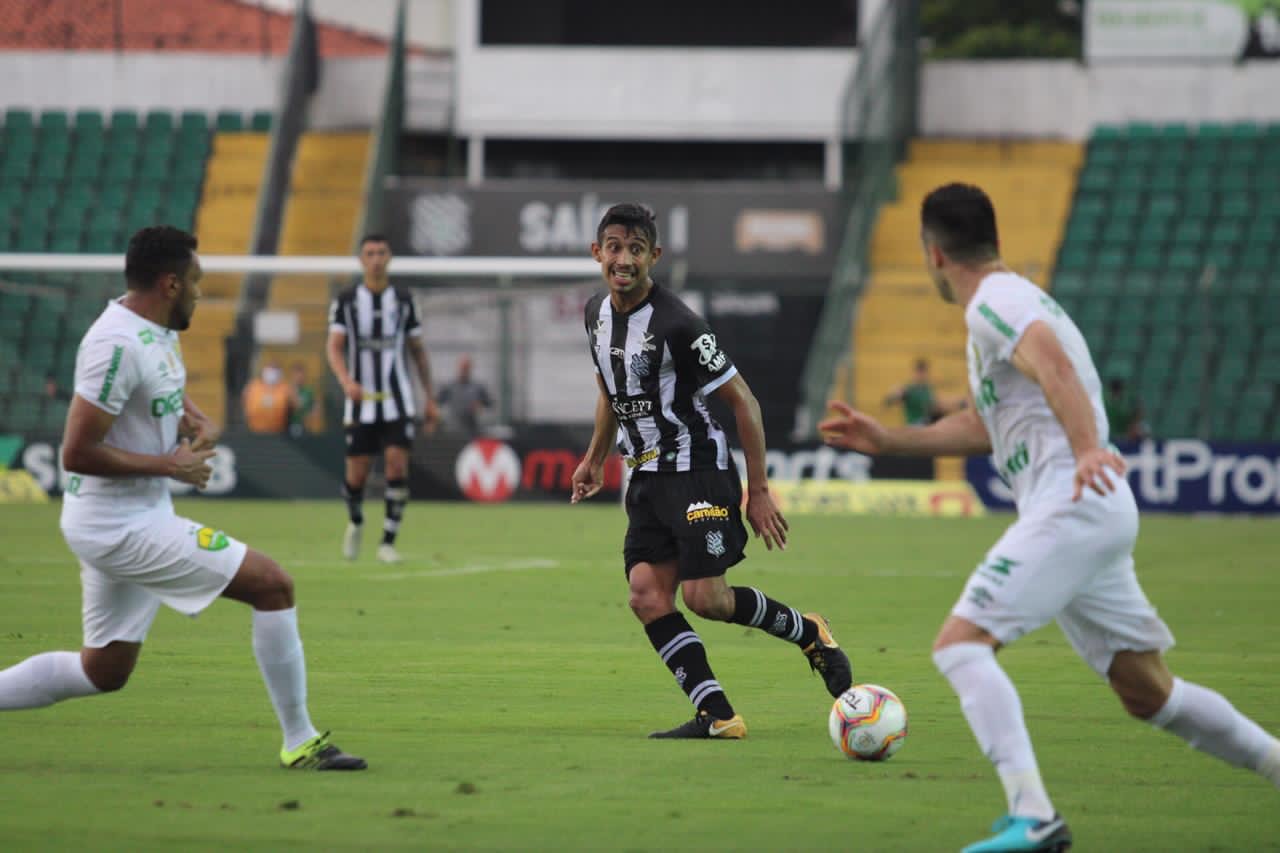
<point x="1028" y="442"/>
<point x="131" y="368"/>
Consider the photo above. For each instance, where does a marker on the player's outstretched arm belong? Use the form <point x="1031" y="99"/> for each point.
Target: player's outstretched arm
<point x="588" y="478"/>
<point x="960" y="433"/>
<point x="762" y="514"/>
<point x="1040" y="357"/>
<point x="84" y="451"/>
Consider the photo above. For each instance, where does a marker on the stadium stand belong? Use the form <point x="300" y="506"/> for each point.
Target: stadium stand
<point x="1173" y="239"/>
<point x="325" y="199"/>
<point x="900" y="317"/>
<point x="81" y="183"/>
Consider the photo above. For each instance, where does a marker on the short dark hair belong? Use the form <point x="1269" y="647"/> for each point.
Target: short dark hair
<point x="156" y="251"/>
<point x="962" y="221"/>
<point x="374" y="237"/>
<point x="636" y="218"/>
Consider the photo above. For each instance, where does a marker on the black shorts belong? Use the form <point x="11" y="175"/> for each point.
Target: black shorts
<point x="370" y="439"/>
<point x="693" y="517"/>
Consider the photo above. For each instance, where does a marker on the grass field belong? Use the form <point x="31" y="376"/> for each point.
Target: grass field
<point x="501" y="691"/>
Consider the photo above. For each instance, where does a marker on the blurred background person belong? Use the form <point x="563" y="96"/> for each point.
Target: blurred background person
<point x="303" y="399"/>
<point x="268" y="400"/>
<point x="464" y="400"/>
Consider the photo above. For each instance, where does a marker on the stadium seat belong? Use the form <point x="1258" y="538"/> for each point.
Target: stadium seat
<point x="260" y="122"/>
<point x="229" y="122"/>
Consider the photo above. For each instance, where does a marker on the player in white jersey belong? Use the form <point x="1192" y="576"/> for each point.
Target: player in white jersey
<point x="130" y="428"/>
<point x="1037" y="406"/>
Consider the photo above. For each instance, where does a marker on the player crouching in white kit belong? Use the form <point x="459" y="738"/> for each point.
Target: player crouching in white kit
<point x="1037" y="405"/>
<point x="120" y="449"/>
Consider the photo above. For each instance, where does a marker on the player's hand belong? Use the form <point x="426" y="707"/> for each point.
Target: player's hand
<point x="852" y="430"/>
<point x="587" y="480"/>
<point x="1091" y="471"/>
<point x="353" y="391"/>
<point x="191" y="466"/>
<point x="204" y="433"/>
<point x="766" y="520"/>
<point x="430" y="415"/>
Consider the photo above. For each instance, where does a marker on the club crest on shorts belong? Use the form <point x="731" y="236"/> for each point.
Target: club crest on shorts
<point x="715" y="543"/>
<point x="211" y="540"/>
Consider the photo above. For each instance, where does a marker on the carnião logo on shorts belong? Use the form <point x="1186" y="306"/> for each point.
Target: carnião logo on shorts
<point x="715" y="543"/>
<point x="640" y="364"/>
<point x="211" y="540"/>
<point x="703" y="511"/>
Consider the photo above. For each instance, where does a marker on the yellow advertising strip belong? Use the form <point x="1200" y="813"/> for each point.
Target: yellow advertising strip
<point x="19" y="487"/>
<point x="920" y="498"/>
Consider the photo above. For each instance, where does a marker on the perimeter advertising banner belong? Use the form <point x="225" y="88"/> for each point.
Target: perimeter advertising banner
<point x="756" y="231"/>
<point x="1200" y="30"/>
<point x="1177" y="475"/>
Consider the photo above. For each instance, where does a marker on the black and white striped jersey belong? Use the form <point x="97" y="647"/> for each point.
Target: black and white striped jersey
<point x="378" y="328"/>
<point x="658" y="362"/>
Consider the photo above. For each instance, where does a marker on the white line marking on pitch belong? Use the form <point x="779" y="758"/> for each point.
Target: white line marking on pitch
<point x="473" y="569"/>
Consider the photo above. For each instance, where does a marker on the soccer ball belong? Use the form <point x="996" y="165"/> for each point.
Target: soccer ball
<point x="868" y="722"/>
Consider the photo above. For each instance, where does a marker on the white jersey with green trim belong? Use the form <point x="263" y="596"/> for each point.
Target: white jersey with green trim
<point x="131" y="368"/>
<point x="1028" y="442"/>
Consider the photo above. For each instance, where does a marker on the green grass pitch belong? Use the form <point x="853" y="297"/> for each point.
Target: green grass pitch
<point x="501" y="690"/>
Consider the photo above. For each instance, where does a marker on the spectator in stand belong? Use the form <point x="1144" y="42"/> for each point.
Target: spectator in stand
<point x="464" y="400"/>
<point x="920" y="405"/>
<point x="305" y="397"/>
<point x="1126" y="415"/>
<point x="267" y="400"/>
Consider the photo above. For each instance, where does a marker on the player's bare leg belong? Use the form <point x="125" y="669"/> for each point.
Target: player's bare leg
<point x="277" y="645"/>
<point x="396" y="460"/>
<point x="965" y="654"/>
<point x="653" y="600"/>
<point x="713" y="598"/>
<point x="357" y="472"/>
<point x="1198" y="715"/>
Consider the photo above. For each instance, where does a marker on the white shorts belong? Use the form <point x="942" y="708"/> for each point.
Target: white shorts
<point x="129" y="567"/>
<point x="1074" y="564"/>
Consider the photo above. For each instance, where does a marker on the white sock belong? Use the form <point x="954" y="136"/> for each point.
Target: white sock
<point x="44" y="679"/>
<point x="994" y="711"/>
<point x="278" y="648"/>
<point x="1207" y="721"/>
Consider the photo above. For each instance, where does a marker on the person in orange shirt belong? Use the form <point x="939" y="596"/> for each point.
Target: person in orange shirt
<point x="268" y="400"/>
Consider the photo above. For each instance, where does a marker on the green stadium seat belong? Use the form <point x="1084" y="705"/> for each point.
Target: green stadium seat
<point x="1112" y="259"/>
<point x="65" y="241"/>
<point x="1130" y="181"/>
<point x="88" y="121"/>
<point x="1164" y="205"/>
<point x="1258" y="259"/>
<point x="1074" y="258"/>
<point x="260" y="122"/>
<point x="158" y="122"/>
<point x="1125" y="205"/>
<point x="53" y="122"/>
<point x="18" y="119"/>
<point x="229" y="122"/>
<point x="1189" y="233"/>
<point x="194" y="122"/>
<point x="124" y="120"/>
<point x="1068" y="285"/>
<point x="1154" y="232"/>
<point x="1164" y="181"/>
<point x="1096" y="180"/>
<point x="118" y="170"/>
<point x="1089" y="206"/>
<point x="104" y="242"/>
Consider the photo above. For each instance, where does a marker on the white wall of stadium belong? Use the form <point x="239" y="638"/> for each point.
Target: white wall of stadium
<point x="1065" y="99"/>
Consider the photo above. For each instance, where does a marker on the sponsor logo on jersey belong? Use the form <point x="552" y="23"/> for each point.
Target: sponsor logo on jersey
<point x="630" y="408"/>
<point x="704" y="511"/>
<point x="1016" y="463"/>
<point x="146" y="336"/>
<point x="117" y="353"/>
<point x="709" y="355"/>
<point x="170" y="404"/>
<point x="643" y="457"/>
<point x="209" y="539"/>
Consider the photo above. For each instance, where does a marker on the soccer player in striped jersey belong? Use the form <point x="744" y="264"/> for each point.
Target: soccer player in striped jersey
<point x="370" y="327"/>
<point x="656" y="362"/>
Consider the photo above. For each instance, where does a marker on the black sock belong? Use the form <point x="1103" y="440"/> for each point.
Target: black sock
<point x="354" y="498"/>
<point x="682" y="651"/>
<point x="757" y="610"/>
<point x="397" y="495"/>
